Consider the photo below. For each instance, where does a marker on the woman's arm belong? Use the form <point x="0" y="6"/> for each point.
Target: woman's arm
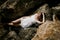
<point x="39" y="22"/>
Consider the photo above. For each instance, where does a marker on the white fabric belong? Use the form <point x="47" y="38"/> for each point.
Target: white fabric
<point x="28" y="21"/>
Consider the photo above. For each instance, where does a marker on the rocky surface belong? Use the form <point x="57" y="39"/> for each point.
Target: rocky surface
<point x="47" y="31"/>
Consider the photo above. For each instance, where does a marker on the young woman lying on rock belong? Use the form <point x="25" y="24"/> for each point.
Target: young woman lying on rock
<point x="27" y="21"/>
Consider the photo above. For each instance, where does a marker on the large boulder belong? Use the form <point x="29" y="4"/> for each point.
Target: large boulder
<point x="48" y="31"/>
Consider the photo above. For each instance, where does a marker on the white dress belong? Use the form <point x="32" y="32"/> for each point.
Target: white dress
<point x="28" y="21"/>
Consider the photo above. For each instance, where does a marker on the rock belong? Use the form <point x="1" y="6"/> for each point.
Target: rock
<point x="48" y="31"/>
<point x="25" y="8"/>
<point x="27" y="34"/>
